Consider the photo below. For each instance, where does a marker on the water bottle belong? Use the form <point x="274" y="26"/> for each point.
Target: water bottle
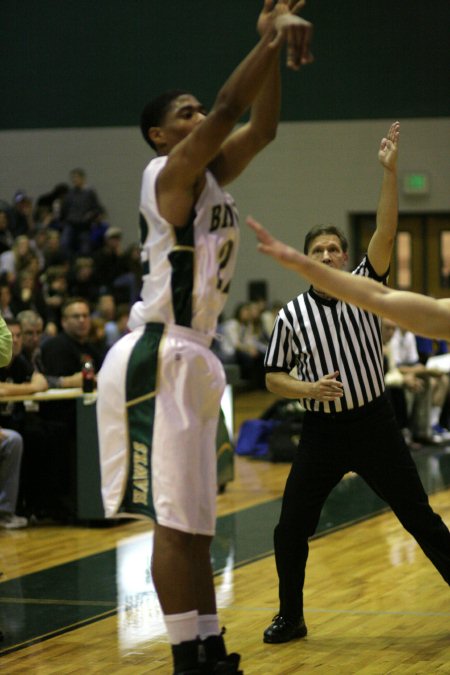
<point x="88" y="375"/>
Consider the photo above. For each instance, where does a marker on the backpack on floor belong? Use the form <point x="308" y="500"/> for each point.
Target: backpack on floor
<point x="254" y="437"/>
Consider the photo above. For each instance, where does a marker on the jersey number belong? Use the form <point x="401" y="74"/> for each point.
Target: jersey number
<point x="224" y="256"/>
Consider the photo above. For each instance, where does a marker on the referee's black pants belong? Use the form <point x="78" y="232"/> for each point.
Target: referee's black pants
<point x="368" y="442"/>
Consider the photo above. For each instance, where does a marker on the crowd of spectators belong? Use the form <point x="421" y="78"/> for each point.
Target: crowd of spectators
<point x="66" y="288"/>
<point x="419" y="389"/>
<point x="243" y="338"/>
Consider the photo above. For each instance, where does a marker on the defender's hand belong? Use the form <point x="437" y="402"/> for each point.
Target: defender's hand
<point x="388" y="151"/>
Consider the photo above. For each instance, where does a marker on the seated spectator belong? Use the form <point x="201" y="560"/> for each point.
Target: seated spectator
<point x="111" y="268"/>
<point x="81" y="279"/>
<point x="116" y="327"/>
<point x="11" y="448"/>
<point x="5" y="301"/>
<point x="122" y="316"/>
<point x="38" y="244"/>
<point x="53" y="253"/>
<point x="22" y="222"/>
<point x="408" y="393"/>
<point x="54" y="291"/>
<point x="106" y="310"/>
<point x="63" y="357"/>
<point x="241" y="344"/>
<point x="19" y="378"/>
<point x="268" y="317"/>
<point x="33" y="335"/>
<point x="27" y="294"/>
<point x="257" y="307"/>
<point x="32" y="325"/>
<point x="134" y="265"/>
<point x="428" y="348"/>
<point x="406" y="358"/>
<point x="19" y="258"/>
<point x="97" y="335"/>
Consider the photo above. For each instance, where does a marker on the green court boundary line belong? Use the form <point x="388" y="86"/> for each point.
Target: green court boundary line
<point x="56" y="633"/>
<point x="317" y="535"/>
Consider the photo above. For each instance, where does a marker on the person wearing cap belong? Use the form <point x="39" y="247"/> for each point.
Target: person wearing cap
<point x="22" y="214"/>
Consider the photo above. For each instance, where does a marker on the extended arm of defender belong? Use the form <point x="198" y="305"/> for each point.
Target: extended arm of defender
<point x="418" y="313"/>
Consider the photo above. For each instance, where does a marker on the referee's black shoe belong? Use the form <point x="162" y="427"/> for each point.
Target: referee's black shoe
<point x="283" y="630"/>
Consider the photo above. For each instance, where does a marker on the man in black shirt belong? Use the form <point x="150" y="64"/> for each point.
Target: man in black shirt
<point x="63" y="357"/>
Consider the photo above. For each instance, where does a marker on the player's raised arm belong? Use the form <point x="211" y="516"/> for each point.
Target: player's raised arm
<point x="381" y="244"/>
<point x="191" y="139"/>
<point x="244" y="143"/>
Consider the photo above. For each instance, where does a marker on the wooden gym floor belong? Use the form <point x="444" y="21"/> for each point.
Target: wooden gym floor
<point x="80" y="599"/>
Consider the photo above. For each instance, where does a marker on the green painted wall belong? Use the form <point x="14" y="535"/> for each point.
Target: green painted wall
<point x="68" y="63"/>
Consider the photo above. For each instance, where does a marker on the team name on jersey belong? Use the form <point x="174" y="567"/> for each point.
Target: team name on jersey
<point x="223" y="215"/>
<point x="140" y="473"/>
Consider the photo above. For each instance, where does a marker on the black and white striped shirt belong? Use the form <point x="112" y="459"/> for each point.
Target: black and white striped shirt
<point x="318" y="336"/>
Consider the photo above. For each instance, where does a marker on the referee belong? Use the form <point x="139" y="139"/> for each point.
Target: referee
<point x="349" y="425"/>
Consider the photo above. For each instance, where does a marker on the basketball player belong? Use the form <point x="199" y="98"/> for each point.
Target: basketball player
<point x="161" y="385"/>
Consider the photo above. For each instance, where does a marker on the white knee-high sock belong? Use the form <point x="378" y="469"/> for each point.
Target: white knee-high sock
<point x="182" y="627"/>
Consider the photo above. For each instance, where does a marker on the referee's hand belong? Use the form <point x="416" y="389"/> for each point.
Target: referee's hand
<point x="328" y="388"/>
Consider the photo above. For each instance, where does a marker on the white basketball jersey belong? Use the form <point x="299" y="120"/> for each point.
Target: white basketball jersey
<point x="186" y="271"/>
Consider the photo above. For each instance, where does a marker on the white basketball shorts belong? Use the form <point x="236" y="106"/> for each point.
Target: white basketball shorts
<point x="159" y="393"/>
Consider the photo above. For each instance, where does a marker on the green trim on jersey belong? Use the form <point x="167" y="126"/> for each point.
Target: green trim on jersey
<point x="140" y="385"/>
<point x="182" y="260"/>
<point x="143" y="234"/>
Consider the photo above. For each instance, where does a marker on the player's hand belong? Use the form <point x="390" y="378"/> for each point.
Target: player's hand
<point x="388" y="151"/>
<point x="282" y="20"/>
<point x="328" y="388"/>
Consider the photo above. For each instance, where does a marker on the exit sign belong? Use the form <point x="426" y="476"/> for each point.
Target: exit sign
<point x="416" y="183"/>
